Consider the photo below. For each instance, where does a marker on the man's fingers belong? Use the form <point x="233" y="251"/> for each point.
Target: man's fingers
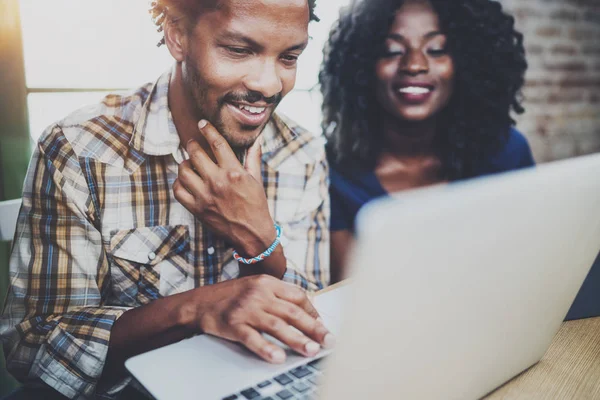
<point x="200" y="160"/>
<point x="219" y="146"/>
<point x="302" y="321"/>
<point x="190" y="180"/>
<point x="288" y="335"/>
<point x="183" y="196"/>
<point x="256" y="343"/>
<point x="293" y="294"/>
<point x="254" y="160"/>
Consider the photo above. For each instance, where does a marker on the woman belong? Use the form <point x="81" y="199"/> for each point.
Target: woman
<point x="418" y="93"/>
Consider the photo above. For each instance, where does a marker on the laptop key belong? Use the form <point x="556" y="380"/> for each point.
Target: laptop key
<point x="264" y="384"/>
<point x="285" y="394"/>
<point x="316" y="364"/>
<point x="232" y="397"/>
<point x="283" y="379"/>
<point x="250" y="393"/>
<point x="314" y="380"/>
<point x="300" y="372"/>
<point x="301" y="387"/>
<point x="267" y="398"/>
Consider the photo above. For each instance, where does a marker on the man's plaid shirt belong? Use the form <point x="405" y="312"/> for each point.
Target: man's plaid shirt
<point x="100" y="232"/>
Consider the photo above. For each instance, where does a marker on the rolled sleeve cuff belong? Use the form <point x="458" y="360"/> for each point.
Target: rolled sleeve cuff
<point x="294" y="277"/>
<point x="73" y="365"/>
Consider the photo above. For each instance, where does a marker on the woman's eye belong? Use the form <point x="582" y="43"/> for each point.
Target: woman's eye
<point x="437" y="52"/>
<point x="393" y="52"/>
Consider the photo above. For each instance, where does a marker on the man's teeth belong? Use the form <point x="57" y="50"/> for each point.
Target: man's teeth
<point x="414" y="90"/>
<point x="253" y="110"/>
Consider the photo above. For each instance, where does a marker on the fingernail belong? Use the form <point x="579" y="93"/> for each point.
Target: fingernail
<point x="277" y="356"/>
<point x="188" y="142"/>
<point x="312" y="348"/>
<point x="202" y="123"/>
<point x="329" y="341"/>
<point x="320" y="320"/>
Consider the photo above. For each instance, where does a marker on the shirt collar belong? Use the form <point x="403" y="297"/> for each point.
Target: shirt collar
<point x="155" y="133"/>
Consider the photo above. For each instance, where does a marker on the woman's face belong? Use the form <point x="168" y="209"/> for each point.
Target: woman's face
<point x="415" y="75"/>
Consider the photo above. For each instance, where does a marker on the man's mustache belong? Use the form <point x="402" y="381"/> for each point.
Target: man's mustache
<point x="251" y="97"/>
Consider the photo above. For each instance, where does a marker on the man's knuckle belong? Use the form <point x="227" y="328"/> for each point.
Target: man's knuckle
<point x="219" y="187"/>
<point x="234" y="176"/>
<point x="218" y="144"/>
<point x="185" y="174"/>
<point x="245" y="335"/>
<point x="275" y="324"/>
<point x="293" y="312"/>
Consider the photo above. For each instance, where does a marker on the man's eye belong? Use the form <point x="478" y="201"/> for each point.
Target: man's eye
<point x="290" y="59"/>
<point x="239" y="51"/>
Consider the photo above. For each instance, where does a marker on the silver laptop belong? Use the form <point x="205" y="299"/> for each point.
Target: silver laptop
<point x="456" y="289"/>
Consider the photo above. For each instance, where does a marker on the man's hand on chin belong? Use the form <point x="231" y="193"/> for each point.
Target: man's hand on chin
<point x="226" y="196"/>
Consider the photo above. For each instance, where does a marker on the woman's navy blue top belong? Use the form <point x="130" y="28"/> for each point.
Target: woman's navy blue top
<point x="350" y="193"/>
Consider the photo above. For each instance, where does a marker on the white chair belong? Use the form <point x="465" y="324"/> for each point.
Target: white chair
<point x="9" y="211"/>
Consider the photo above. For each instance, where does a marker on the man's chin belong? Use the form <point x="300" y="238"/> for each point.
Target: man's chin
<point x="243" y="137"/>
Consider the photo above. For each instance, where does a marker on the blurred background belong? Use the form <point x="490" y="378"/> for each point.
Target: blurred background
<point x="59" y="55"/>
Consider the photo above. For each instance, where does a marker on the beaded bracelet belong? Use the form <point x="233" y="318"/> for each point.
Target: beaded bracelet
<point x="264" y="254"/>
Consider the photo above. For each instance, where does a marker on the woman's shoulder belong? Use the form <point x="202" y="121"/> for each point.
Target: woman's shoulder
<point x="354" y="180"/>
<point x="517" y="143"/>
<point x="352" y="186"/>
<point x="514" y="154"/>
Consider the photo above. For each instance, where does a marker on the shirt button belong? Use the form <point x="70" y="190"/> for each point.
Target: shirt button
<point x="151" y="256"/>
<point x="211" y="251"/>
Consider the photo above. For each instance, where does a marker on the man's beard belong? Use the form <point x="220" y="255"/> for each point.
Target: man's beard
<point x="199" y="93"/>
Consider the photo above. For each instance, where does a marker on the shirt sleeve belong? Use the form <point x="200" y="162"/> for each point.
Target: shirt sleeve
<point x="55" y="327"/>
<point x="307" y="238"/>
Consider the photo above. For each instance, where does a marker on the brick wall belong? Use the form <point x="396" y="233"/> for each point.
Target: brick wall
<point x="562" y="93"/>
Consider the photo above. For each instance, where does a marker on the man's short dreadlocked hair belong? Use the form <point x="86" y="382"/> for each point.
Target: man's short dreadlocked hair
<point x="159" y="10"/>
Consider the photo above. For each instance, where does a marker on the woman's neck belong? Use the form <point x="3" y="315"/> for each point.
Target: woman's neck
<point x="406" y="139"/>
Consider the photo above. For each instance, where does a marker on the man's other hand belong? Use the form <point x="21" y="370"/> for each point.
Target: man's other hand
<point x="242" y="309"/>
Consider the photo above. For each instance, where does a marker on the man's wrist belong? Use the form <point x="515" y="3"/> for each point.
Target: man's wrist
<point x="256" y="245"/>
<point x="188" y="311"/>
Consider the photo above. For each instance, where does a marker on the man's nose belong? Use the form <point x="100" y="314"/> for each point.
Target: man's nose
<point x="265" y="79"/>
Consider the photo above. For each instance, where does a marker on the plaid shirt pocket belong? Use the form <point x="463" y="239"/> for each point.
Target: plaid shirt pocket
<point x="144" y="259"/>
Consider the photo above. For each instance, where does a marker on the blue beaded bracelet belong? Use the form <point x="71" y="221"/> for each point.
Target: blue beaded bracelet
<point x="264" y="254"/>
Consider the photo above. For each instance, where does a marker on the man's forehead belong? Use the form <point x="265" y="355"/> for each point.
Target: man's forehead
<point x="258" y="7"/>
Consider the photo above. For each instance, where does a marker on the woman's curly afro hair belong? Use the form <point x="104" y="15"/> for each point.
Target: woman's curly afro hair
<point x="489" y="62"/>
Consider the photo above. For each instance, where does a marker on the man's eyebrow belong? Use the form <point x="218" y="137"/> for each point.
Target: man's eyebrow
<point x="243" y="39"/>
<point x="299" y="46"/>
<point x="429" y="35"/>
<point x="238" y="38"/>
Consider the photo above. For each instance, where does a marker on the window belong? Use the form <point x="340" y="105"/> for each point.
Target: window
<point x="76" y="52"/>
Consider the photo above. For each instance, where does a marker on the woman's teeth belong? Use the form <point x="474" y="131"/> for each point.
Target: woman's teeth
<point x="414" y="90"/>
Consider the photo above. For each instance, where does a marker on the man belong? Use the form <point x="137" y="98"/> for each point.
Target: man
<point x="133" y="209"/>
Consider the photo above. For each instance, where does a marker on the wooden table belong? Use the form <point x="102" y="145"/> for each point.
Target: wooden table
<point x="570" y="369"/>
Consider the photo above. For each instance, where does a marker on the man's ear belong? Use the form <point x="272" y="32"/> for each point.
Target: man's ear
<point x="175" y="39"/>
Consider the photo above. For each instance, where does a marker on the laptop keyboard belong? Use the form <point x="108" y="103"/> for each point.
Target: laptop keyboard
<point x="297" y="383"/>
